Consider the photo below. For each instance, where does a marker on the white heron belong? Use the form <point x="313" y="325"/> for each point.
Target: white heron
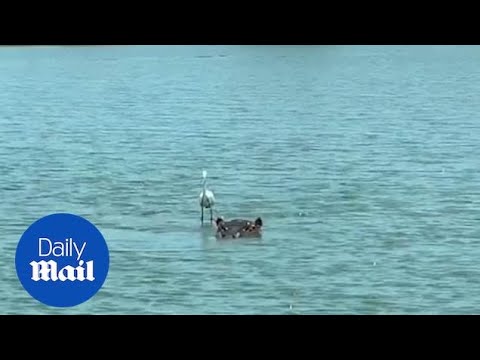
<point x="207" y="199"/>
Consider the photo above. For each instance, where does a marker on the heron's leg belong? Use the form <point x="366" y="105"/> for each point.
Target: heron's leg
<point x="202" y="214"/>
<point x="211" y="214"/>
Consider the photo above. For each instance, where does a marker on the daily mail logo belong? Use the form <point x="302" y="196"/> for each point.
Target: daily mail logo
<point x="48" y="270"/>
<point x="62" y="260"/>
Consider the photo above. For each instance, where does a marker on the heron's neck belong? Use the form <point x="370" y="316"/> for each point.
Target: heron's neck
<point x="204" y="185"/>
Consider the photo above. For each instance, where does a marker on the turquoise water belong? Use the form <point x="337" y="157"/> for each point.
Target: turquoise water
<point x="363" y="162"/>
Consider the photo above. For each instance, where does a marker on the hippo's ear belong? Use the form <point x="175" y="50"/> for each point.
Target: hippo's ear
<point x="258" y="221"/>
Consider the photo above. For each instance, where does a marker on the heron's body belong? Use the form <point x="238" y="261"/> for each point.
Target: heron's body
<point x="206" y="198"/>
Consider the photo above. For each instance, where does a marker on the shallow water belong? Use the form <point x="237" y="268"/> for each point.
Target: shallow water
<point x="361" y="160"/>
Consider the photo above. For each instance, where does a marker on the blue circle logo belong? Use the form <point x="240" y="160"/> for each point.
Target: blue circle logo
<point x="62" y="260"/>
